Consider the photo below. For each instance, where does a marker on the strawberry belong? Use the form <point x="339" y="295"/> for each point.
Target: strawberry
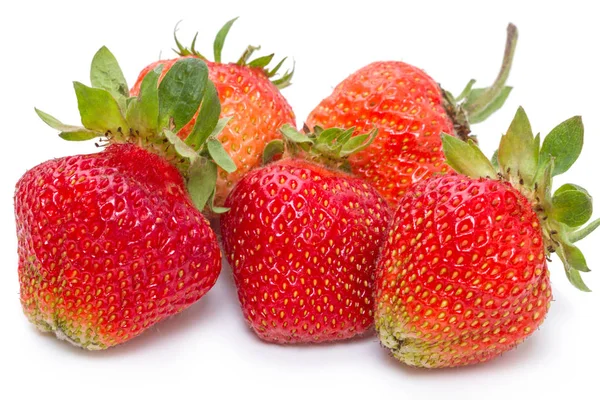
<point x="463" y="276"/>
<point x="249" y="95"/>
<point x="111" y="243"/>
<point x="411" y="111"/>
<point x="302" y="240"/>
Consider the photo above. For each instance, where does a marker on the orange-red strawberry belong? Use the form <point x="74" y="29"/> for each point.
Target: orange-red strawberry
<point x="250" y="95"/>
<point x="302" y="241"/>
<point x="463" y="275"/>
<point x="411" y="111"/>
<point x="112" y="243"/>
<point x="109" y="244"/>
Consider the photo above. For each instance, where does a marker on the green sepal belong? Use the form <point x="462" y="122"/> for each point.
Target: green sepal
<point x="220" y="39"/>
<point x="271" y="73"/>
<point x="564" y="143"/>
<point x="574" y="263"/>
<point x="494" y="160"/>
<point x="208" y="117"/>
<point x="221" y="123"/>
<point x="180" y="93"/>
<point x="99" y="110"/>
<point x="358" y="143"/>
<point x="275" y="148"/>
<point x="583" y="232"/>
<point x="261" y="62"/>
<point x="491" y="107"/>
<point x="184" y="51"/>
<point x="142" y="112"/>
<point x="466" y="158"/>
<point x="214" y="208"/>
<point x="68" y="132"/>
<point x="220" y="156"/>
<point x="181" y="147"/>
<point x="286" y="79"/>
<point x="465" y="93"/>
<point x="202" y="178"/>
<point x="517" y="153"/>
<point x="292" y="134"/>
<point x="106" y="74"/>
<point x="571" y="205"/>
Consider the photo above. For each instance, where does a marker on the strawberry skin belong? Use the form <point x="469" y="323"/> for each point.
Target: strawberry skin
<point x="257" y="107"/>
<point x="405" y="104"/>
<point x="108" y="245"/>
<point x="303" y="242"/>
<point x="463" y="274"/>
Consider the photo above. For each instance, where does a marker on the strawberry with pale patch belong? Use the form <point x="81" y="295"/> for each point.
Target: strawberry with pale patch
<point x="113" y="242"/>
<point x="303" y="239"/>
<point x="250" y="95"/>
<point x="411" y="111"/>
<point x="463" y="275"/>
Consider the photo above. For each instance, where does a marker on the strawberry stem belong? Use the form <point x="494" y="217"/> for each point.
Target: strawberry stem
<point x="492" y="92"/>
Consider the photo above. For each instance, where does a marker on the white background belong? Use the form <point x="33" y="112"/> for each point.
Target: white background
<point x="207" y="351"/>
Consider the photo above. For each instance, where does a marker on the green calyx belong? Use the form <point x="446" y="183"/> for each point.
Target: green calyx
<point x="330" y="147"/>
<point x="280" y="81"/>
<point x="530" y="166"/>
<point x="153" y="119"/>
<point x="476" y="105"/>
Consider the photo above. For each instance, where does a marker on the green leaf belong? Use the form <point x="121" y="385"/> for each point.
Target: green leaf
<point x="564" y="143"/>
<point x="202" y="179"/>
<point x="293" y="135"/>
<point x="492" y="107"/>
<point x="106" y="74"/>
<point x="99" y="110"/>
<point x="583" y="232"/>
<point x="208" y="117"/>
<point x="466" y="158"/>
<point x="517" y="153"/>
<point x="220" y="156"/>
<point x="261" y="62"/>
<point x="220" y="39"/>
<point x="181" y="147"/>
<point x="571" y="205"/>
<point x="142" y="113"/>
<point x="180" y="93"/>
<point x="272" y="149"/>
<point x="358" y="143"/>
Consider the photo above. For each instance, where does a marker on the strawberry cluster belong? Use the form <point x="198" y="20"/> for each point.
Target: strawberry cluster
<point x="382" y="212"/>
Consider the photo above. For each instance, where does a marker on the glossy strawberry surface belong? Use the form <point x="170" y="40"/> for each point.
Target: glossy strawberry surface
<point x="303" y="242"/>
<point x="463" y="275"/>
<point x="405" y="104"/>
<point x="109" y="244"/>
<point x="257" y="110"/>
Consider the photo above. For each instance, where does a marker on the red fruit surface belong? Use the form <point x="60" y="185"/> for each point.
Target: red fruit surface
<point x="256" y="106"/>
<point x="303" y="242"/>
<point x="109" y="244"/>
<point x="405" y="104"/>
<point x="463" y="275"/>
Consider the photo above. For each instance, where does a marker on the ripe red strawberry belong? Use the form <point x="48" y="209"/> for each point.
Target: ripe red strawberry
<point x="250" y="95"/>
<point x="463" y="275"/>
<point x="411" y="111"/>
<point x="111" y="243"/>
<point x="302" y="241"/>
